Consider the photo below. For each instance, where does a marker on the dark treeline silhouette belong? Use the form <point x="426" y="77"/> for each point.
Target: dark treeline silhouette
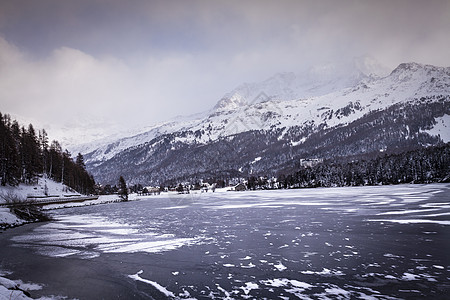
<point x="425" y="165"/>
<point x="25" y="154"/>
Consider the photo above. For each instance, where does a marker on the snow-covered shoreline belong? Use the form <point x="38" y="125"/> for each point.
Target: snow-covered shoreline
<point x="43" y="187"/>
<point x="9" y="220"/>
<point x="16" y="289"/>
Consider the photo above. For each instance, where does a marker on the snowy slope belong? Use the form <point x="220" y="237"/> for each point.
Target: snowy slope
<point x="405" y="83"/>
<point x="441" y="128"/>
<point x="284" y="102"/>
<point x="44" y="187"/>
<point x="107" y="148"/>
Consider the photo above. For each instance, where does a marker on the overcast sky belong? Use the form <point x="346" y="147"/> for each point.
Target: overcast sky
<point x="118" y="64"/>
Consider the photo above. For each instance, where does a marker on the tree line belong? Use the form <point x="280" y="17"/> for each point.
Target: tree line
<point x="424" y="165"/>
<point x="421" y="165"/>
<point x="25" y="154"/>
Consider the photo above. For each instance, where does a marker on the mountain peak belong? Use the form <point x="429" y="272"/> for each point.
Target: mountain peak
<point x="316" y="81"/>
<point x="411" y="66"/>
<point x="420" y="72"/>
<point x="230" y="101"/>
<point x="414" y="67"/>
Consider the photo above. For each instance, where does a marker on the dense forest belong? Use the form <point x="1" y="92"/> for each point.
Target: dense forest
<point x="425" y="165"/>
<point x="25" y="154"/>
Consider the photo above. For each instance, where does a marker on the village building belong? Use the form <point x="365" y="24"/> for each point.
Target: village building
<point x="310" y="162"/>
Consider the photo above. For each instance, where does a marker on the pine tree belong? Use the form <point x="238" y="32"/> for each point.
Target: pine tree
<point x="9" y="167"/>
<point x="43" y="142"/>
<point x="80" y="161"/>
<point x="55" y="161"/>
<point x="31" y="156"/>
<point x="123" y="191"/>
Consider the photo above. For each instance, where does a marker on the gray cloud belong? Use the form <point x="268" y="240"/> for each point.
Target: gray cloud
<point x="124" y="63"/>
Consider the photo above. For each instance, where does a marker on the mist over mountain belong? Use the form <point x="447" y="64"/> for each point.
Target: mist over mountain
<point x="312" y="82"/>
<point x="329" y="112"/>
<point x="315" y="81"/>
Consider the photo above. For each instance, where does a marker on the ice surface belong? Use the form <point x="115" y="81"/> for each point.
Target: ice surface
<point x="229" y="265"/>
<point x="404" y="212"/>
<point x="249" y="286"/>
<point x="159" y="287"/>
<point x="409" y="276"/>
<point x="280" y="267"/>
<point x="344" y="243"/>
<point x="89" y="236"/>
<point x="412" y="221"/>
<point x="150" y="247"/>
<point x="325" y="271"/>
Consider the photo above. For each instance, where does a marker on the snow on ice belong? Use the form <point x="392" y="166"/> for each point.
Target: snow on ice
<point x="244" y="241"/>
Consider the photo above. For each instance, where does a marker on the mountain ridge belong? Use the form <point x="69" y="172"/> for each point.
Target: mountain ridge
<point x="363" y="65"/>
<point x="315" y="81"/>
<point x="408" y="83"/>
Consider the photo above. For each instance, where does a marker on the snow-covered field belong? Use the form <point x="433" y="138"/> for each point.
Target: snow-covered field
<point x="385" y="242"/>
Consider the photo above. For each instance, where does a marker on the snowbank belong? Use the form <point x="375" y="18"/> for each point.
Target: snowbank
<point x="10" y="289"/>
<point x="8" y="219"/>
<point x="44" y="187"/>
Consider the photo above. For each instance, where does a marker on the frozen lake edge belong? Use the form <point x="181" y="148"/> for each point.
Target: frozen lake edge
<point x="296" y="243"/>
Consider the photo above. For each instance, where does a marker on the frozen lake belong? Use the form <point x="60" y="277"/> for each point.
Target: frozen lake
<point x="389" y="242"/>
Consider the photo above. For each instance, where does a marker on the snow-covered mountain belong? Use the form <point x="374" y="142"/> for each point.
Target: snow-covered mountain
<point x="316" y="81"/>
<point x="290" y="108"/>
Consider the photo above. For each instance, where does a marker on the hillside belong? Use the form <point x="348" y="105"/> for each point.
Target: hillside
<point x="270" y="133"/>
<point x="27" y="155"/>
<point x="42" y="188"/>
